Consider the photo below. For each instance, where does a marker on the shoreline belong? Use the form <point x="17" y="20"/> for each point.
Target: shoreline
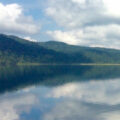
<point x="79" y="64"/>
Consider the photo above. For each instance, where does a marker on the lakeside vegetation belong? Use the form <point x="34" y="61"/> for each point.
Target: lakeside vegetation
<point x="79" y="64"/>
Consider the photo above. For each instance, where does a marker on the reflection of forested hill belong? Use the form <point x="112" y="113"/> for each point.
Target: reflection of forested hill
<point x="18" y="77"/>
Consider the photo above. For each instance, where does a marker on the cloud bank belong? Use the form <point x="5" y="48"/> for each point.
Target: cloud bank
<point x="86" y="22"/>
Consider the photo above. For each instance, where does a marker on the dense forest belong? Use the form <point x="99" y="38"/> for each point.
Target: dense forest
<point x="15" y="50"/>
<point x="89" y="54"/>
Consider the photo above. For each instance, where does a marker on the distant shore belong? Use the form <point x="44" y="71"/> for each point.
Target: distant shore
<point x="76" y="64"/>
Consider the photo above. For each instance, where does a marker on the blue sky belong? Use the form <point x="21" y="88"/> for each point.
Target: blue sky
<point x="94" y="23"/>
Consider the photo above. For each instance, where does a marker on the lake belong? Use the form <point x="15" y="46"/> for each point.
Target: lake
<point x="60" y="93"/>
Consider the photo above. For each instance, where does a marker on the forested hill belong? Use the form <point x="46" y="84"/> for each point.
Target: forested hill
<point x="14" y="50"/>
<point x="93" y="55"/>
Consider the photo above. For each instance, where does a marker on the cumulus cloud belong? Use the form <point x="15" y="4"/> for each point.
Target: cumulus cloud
<point x="95" y="36"/>
<point x="86" y="22"/>
<point x="13" y="20"/>
<point x="76" y="13"/>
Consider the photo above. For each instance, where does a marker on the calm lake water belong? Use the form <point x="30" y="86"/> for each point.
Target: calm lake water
<point x="60" y="93"/>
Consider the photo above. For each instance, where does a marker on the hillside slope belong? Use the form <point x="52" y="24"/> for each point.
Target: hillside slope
<point x="17" y="50"/>
<point x="14" y="50"/>
<point x="94" y="55"/>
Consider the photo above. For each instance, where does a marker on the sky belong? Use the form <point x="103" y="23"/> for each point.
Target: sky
<point x="93" y="23"/>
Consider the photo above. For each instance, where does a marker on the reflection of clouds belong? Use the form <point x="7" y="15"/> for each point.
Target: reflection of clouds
<point x="28" y="89"/>
<point x="68" y="111"/>
<point x="92" y="100"/>
<point x="10" y="107"/>
<point x="104" y="92"/>
<point x="111" y="115"/>
<point x="75" y="110"/>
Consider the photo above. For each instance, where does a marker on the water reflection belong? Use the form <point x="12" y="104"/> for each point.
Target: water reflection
<point x="100" y="92"/>
<point x="60" y="93"/>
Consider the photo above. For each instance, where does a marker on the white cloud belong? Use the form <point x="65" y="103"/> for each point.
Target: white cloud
<point x="13" y="20"/>
<point x="86" y="22"/>
<point x="112" y="6"/>
<point x="67" y="37"/>
<point x="77" y="13"/>
<point x="95" y="36"/>
<point x="30" y="39"/>
<point x="115" y="115"/>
